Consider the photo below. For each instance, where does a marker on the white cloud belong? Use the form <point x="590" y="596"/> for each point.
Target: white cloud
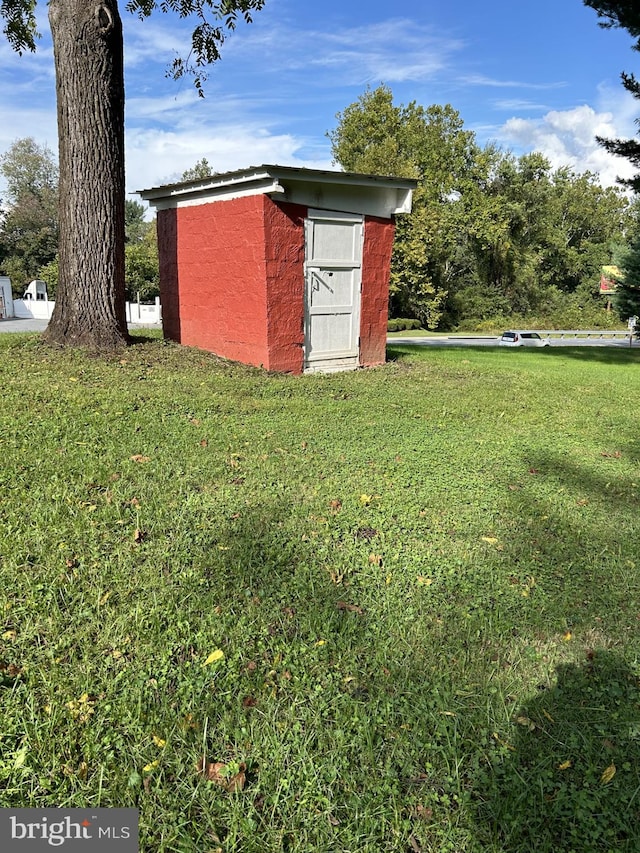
<point x="482" y="80"/>
<point x="158" y="156"/>
<point x="568" y="137"/>
<point x="395" y="50"/>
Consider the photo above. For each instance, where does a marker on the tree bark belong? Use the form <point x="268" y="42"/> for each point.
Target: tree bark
<point x="88" y="51"/>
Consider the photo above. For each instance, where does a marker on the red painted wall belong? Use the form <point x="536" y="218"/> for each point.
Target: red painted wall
<point x="374" y="306"/>
<point x="221" y="278"/>
<point x="232" y="281"/>
<point x="284" y="239"/>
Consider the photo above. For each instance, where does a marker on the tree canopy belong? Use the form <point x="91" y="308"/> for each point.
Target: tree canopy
<point x="490" y="234"/>
<point x="623" y="14"/>
<point x="29" y="226"/>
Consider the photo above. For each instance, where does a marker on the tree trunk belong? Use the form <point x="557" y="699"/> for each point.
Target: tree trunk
<point x="90" y="299"/>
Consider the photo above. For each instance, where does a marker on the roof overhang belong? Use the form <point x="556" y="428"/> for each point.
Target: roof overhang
<point x="350" y="192"/>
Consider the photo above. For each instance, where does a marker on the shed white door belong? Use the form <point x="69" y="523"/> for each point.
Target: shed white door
<point x="333" y="270"/>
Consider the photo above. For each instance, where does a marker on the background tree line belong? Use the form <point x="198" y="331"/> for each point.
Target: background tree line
<point x="29" y="226"/>
<point x="492" y="237"/>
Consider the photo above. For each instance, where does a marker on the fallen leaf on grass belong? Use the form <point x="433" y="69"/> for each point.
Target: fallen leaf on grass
<point x="138" y="457"/>
<point x="216" y="655"/>
<point x="526" y="722"/>
<point x="139" y="536"/>
<point x="608" y="774"/>
<point x="9" y="672"/>
<point x="365" y="500"/>
<point x="352" y="608"/>
<point x="335" y="505"/>
<point x="424" y="812"/>
<point x="423" y="581"/>
<point x="375" y="559"/>
<point x="219" y="773"/>
<point x="565" y="765"/>
<point x="615" y="455"/>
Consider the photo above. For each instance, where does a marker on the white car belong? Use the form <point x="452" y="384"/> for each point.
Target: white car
<point x="523" y="339"/>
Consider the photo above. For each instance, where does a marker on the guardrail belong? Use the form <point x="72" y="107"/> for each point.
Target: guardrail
<point x="583" y="333"/>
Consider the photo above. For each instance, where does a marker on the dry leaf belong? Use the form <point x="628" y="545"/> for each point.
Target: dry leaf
<point x="216" y="655"/>
<point x="335" y="505"/>
<point x="565" y="765"/>
<point x="375" y="559"/>
<point x="608" y="774"/>
<point x="138" y="457"/>
<point x="217" y="771"/>
<point x="424" y="812"/>
<point x="526" y="722"/>
<point x="365" y="500"/>
<point x="352" y="608"/>
<point x="423" y="581"/>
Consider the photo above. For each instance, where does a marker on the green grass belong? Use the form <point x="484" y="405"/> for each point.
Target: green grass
<point x="423" y="579"/>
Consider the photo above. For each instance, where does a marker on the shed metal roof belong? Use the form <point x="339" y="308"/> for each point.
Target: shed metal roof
<point x="332" y="190"/>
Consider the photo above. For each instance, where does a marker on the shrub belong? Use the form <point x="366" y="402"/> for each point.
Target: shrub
<point x="399" y="324"/>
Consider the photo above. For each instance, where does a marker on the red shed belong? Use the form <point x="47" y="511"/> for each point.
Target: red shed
<point x="279" y="267"/>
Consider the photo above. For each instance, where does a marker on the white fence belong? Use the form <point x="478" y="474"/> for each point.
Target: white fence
<point x="42" y="309"/>
<point x="138" y="312"/>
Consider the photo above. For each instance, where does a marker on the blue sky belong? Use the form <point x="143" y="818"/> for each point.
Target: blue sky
<point x="528" y="75"/>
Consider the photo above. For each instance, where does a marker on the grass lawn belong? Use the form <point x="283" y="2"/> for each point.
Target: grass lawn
<point x="390" y="610"/>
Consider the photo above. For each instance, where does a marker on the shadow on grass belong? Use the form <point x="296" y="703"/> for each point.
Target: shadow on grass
<point x="613" y="355"/>
<point x="570" y="781"/>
